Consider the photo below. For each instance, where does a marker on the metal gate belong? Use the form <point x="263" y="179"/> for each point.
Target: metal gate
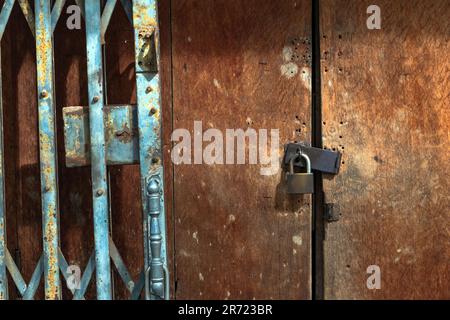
<point x="93" y="135"/>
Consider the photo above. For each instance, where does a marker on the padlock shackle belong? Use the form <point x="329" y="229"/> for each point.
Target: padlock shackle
<point x="300" y="155"/>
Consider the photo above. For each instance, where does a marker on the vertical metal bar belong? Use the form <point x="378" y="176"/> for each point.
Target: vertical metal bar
<point x="47" y="148"/>
<point x="145" y="21"/>
<point x="98" y="152"/>
<point x="4" y="17"/>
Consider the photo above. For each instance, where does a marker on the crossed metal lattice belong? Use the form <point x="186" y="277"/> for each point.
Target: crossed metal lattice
<point x="154" y="277"/>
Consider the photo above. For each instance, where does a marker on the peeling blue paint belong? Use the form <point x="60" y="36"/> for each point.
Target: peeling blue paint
<point x="47" y="148"/>
<point x="145" y="21"/>
<point x="98" y="152"/>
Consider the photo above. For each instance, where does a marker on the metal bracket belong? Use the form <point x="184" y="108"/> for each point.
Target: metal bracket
<point x="121" y="135"/>
<point x="325" y="161"/>
<point x="331" y="212"/>
<point x="146" y="57"/>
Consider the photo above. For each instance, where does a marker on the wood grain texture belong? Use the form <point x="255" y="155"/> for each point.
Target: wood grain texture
<point x="386" y="107"/>
<point x="237" y="233"/>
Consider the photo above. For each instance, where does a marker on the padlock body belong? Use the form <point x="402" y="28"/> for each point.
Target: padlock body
<point x="300" y="183"/>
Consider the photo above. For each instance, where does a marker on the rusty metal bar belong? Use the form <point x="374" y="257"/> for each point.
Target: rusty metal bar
<point x="98" y="152"/>
<point x="145" y="21"/>
<point x="47" y="148"/>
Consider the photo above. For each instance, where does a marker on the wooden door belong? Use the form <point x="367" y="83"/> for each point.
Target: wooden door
<point x="241" y="64"/>
<point x="385" y="106"/>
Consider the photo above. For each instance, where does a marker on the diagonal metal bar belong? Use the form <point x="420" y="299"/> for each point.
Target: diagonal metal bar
<point x="98" y="151"/>
<point x="26" y="291"/>
<point x="80" y="3"/>
<point x="138" y="286"/>
<point x="135" y="288"/>
<point x="56" y="12"/>
<point x="35" y="280"/>
<point x="64" y="266"/>
<point x="106" y="16"/>
<point x="85" y="278"/>
<point x="120" y="265"/>
<point x="28" y="13"/>
<point x="128" y="8"/>
<point x="47" y="149"/>
<point x="4" y="15"/>
<point x="15" y="273"/>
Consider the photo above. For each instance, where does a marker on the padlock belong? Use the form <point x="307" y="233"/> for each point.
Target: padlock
<point x="300" y="183"/>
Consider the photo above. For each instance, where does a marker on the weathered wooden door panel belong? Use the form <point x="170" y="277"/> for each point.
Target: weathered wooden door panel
<point x="241" y="64"/>
<point x="385" y="106"/>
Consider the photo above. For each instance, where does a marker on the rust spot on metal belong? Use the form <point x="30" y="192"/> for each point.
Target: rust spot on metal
<point x="125" y="135"/>
<point x="52" y="287"/>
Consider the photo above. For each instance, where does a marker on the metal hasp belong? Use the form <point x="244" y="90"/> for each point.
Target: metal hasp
<point x="325" y="161"/>
<point x="298" y="156"/>
<point x="98" y="152"/>
<point x="146" y="39"/>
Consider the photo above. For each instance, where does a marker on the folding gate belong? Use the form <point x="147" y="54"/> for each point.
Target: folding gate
<point x="91" y="129"/>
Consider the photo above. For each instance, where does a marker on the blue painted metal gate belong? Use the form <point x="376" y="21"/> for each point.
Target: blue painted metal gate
<point x="91" y="126"/>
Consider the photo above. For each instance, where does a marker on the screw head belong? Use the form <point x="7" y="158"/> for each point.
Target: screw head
<point x="95" y="99"/>
<point x="44" y="94"/>
<point x="100" y="192"/>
